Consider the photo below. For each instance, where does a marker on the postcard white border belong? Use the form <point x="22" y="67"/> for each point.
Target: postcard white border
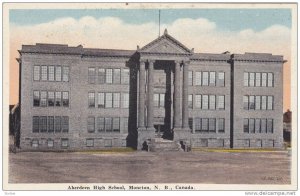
<point x="62" y="186"/>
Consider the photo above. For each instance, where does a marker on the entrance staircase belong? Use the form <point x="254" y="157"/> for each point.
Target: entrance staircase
<point x="163" y="145"/>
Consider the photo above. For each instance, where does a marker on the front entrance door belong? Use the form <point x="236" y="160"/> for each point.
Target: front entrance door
<point x="159" y="130"/>
<point x="162" y="131"/>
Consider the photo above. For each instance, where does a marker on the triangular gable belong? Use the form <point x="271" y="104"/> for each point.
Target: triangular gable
<point x="165" y="44"/>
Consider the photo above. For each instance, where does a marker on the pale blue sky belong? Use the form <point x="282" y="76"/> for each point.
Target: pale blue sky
<point x="235" y="30"/>
<point x="225" y="19"/>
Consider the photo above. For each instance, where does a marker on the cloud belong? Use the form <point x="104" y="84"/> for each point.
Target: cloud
<point x="112" y="32"/>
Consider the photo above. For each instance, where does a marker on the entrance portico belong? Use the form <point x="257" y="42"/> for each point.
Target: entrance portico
<point x="168" y="53"/>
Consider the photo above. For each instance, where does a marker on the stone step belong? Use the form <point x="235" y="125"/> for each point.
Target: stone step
<point x="160" y="144"/>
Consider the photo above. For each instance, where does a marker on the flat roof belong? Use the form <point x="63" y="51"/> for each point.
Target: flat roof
<point x="98" y="52"/>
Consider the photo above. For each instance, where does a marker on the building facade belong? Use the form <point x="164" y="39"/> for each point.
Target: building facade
<point x="80" y="98"/>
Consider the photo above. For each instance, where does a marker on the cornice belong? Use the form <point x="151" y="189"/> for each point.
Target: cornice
<point x="257" y="61"/>
<point x="53" y="53"/>
<point x="106" y="56"/>
<point x="210" y="60"/>
<point x="165" y="54"/>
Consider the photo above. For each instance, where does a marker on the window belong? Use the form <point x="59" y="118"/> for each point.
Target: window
<point x="204" y="124"/>
<point x="108" y="100"/>
<point x="263" y="125"/>
<point x="190" y="78"/>
<point x="43" y="123"/>
<point x="108" y="124"/>
<point x="109" y="76"/>
<point x="101" y="76"/>
<point x="58" y="73"/>
<point x="100" y="124"/>
<point x="91" y="124"/>
<point x="212" y="78"/>
<point x="124" y="143"/>
<point x="125" y="100"/>
<point x="66" y="71"/>
<point x="212" y="102"/>
<point x="270" y="125"/>
<point x="197" y="124"/>
<point x="198" y="78"/>
<point x="246" y="102"/>
<point x="221" y="102"/>
<point x="57" y="98"/>
<point x="251" y="103"/>
<point x="257" y="102"/>
<point x="125" y="124"/>
<point x="221" y="79"/>
<point x="107" y="143"/>
<point x="117" y="76"/>
<point x="125" y="76"/>
<point x="91" y="99"/>
<point x="205" y="102"/>
<point x="251" y="79"/>
<point x="251" y="125"/>
<point x="257" y="125"/>
<point x="43" y="98"/>
<point x="65" y="99"/>
<point x="91" y="75"/>
<point x="101" y="100"/>
<point x="57" y="124"/>
<point x="36" y="72"/>
<point x="89" y="142"/>
<point x="190" y="101"/>
<point x="191" y="123"/>
<point x="36" y="98"/>
<point x="264" y="79"/>
<point x="116" y="101"/>
<point x="44" y="73"/>
<point x="64" y="142"/>
<point x="270" y="102"/>
<point x="270" y="79"/>
<point x="246" y="125"/>
<point x="116" y="124"/>
<point x="50" y="143"/>
<point x="50" y="98"/>
<point x="263" y="102"/>
<point x="246" y="79"/>
<point x="205" y="78"/>
<point x="221" y="125"/>
<point x="35" y="143"/>
<point x="65" y="123"/>
<point x="51" y="73"/>
<point x="198" y="101"/>
<point x="257" y="79"/>
<point x="50" y="124"/>
<point x="156" y="100"/>
<point x="35" y="124"/>
<point x="161" y="100"/>
<point x="212" y="125"/>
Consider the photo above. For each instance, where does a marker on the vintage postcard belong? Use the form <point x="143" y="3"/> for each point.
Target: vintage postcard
<point x="150" y="96"/>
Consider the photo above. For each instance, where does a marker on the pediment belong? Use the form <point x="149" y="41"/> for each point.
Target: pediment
<point x="165" y="44"/>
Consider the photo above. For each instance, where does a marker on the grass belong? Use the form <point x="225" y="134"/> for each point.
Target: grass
<point x="130" y="150"/>
<point x="108" y="151"/>
<point x="287" y="144"/>
<point x="235" y="150"/>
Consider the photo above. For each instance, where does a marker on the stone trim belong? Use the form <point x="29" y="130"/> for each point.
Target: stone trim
<point x="166" y="36"/>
